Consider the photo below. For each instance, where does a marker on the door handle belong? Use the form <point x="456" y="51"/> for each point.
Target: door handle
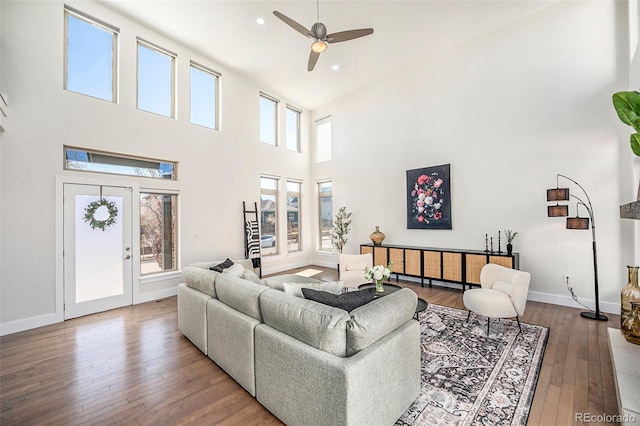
<point x="127" y="257"/>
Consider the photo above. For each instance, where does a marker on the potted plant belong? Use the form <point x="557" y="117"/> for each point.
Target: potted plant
<point x="627" y="105"/>
<point x="341" y="228"/>
<point x="510" y="237"/>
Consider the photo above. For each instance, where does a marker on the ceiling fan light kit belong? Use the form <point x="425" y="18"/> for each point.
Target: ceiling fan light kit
<point x="318" y="32"/>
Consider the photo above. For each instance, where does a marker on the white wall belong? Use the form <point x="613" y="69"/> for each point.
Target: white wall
<point x="217" y="169"/>
<point x="507" y="111"/>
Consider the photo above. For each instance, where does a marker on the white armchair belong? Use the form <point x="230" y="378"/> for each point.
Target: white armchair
<point x="503" y="293"/>
<point x="352" y="268"/>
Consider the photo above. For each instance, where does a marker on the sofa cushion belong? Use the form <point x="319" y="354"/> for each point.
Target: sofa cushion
<point x="208" y="265"/>
<point x="240" y="294"/>
<point x="252" y="276"/>
<point x="320" y="326"/>
<point x="236" y="270"/>
<point x="221" y="266"/>
<point x="276" y="282"/>
<point x="200" y="279"/>
<point x="295" y="289"/>
<point x="371" y="322"/>
<point x="347" y="301"/>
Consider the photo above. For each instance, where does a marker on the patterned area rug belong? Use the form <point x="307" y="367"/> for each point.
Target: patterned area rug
<point x="469" y="378"/>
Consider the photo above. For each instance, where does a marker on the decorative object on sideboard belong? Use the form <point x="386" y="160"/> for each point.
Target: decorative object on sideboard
<point x="379" y="273"/>
<point x="631" y="326"/>
<point x="627" y="105"/>
<point x="499" y="246"/>
<point x="562" y="194"/>
<point x="377" y="236"/>
<point x="341" y="228"/>
<point x="511" y="235"/>
<point x="629" y="293"/>
<point x="429" y="197"/>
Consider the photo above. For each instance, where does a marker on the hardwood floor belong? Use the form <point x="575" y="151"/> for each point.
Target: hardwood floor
<point x="133" y="366"/>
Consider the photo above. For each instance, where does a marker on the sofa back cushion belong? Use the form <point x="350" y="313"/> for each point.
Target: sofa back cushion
<point x="240" y="294"/>
<point x="376" y="319"/>
<point x="320" y="326"/>
<point x="200" y="279"/>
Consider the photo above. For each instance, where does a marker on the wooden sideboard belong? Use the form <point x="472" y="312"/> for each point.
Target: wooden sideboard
<point x="451" y="265"/>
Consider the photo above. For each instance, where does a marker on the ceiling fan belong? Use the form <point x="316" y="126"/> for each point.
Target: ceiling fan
<point x="318" y="32"/>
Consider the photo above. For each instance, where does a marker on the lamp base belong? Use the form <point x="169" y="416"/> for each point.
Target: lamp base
<point x="594" y="316"/>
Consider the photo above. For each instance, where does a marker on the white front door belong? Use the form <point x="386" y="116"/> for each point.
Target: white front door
<point x="97" y="262"/>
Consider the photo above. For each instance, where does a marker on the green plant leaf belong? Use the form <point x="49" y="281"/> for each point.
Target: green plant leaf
<point x="635" y="143"/>
<point x="627" y="105"/>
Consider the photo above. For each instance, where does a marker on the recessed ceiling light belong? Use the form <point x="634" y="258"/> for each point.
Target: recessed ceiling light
<point x="260" y="21"/>
<point x="335" y="67"/>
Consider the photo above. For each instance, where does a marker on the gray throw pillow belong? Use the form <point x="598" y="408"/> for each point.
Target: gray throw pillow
<point x="347" y="301"/>
<point x="220" y="266"/>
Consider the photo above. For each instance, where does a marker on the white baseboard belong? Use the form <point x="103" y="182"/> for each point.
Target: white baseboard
<point x="555" y="299"/>
<point x="29" y="323"/>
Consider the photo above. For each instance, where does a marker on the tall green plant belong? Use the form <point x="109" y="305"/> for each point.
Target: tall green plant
<point x="341" y="228"/>
<point x="627" y="105"/>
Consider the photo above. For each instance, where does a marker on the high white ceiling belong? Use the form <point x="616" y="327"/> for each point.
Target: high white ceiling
<point x="275" y="56"/>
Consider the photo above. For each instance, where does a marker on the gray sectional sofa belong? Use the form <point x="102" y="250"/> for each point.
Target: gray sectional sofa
<point x="307" y="363"/>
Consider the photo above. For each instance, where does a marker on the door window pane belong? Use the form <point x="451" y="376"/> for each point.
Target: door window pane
<point x="204" y="97"/>
<point x="269" y="216"/>
<point x="325" y="202"/>
<point x="293" y="216"/>
<point x="158" y="239"/>
<point x="155" y="80"/>
<point x="99" y="266"/>
<point x="90" y="64"/>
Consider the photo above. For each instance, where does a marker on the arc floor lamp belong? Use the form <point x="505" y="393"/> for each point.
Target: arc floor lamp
<point x="562" y="210"/>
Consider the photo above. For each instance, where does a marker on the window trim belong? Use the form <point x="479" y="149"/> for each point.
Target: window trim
<point x="167" y="274"/>
<point x="318" y="183"/>
<point x="275" y="193"/>
<point x="149" y="45"/>
<point x="298" y="111"/>
<point x="299" y="195"/>
<point x="218" y="76"/>
<point x="115" y="63"/>
<point x="276" y="118"/>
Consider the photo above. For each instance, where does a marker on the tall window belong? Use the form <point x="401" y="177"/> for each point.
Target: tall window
<point x="293" y="216"/>
<point x="269" y="215"/>
<point x="323" y="140"/>
<point x="268" y="119"/>
<point x="293" y="128"/>
<point x="158" y="234"/>
<point x="155" y="79"/>
<point x="325" y="203"/>
<point x="204" y="96"/>
<point x="91" y="56"/>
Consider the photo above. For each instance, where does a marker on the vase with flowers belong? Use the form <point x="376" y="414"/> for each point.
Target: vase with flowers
<point x="378" y="273"/>
<point x="511" y="235"/>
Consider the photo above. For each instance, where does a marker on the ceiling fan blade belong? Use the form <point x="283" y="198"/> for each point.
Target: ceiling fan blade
<point x="313" y="58"/>
<point x="348" y="35"/>
<point x="293" y="24"/>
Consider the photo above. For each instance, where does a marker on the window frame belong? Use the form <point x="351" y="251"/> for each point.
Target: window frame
<point x="115" y="63"/>
<point x="318" y="123"/>
<point x="275" y="194"/>
<point x="323" y="194"/>
<point x="173" y="56"/>
<point x="176" y="228"/>
<point x="298" y="113"/>
<point x="298" y="194"/>
<point x="218" y="77"/>
<point x="276" y="118"/>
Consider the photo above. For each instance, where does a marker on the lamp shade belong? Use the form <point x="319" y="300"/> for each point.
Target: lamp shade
<point x="558" y="194"/>
<point x="557" y="211"/>
<point x="577" y="223"/>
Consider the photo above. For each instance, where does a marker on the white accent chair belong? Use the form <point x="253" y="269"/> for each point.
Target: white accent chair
<point x="503" y="293"/>
<point x="352" y="268"/>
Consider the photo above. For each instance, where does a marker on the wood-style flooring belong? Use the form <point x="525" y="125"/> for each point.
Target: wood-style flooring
<point x="133" y="366"/>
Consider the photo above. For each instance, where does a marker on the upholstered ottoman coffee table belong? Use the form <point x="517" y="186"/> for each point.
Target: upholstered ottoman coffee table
<point x="390" y="288"/>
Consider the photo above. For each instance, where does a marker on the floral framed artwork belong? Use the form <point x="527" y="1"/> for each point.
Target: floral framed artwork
<point x="429" y="198"/>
